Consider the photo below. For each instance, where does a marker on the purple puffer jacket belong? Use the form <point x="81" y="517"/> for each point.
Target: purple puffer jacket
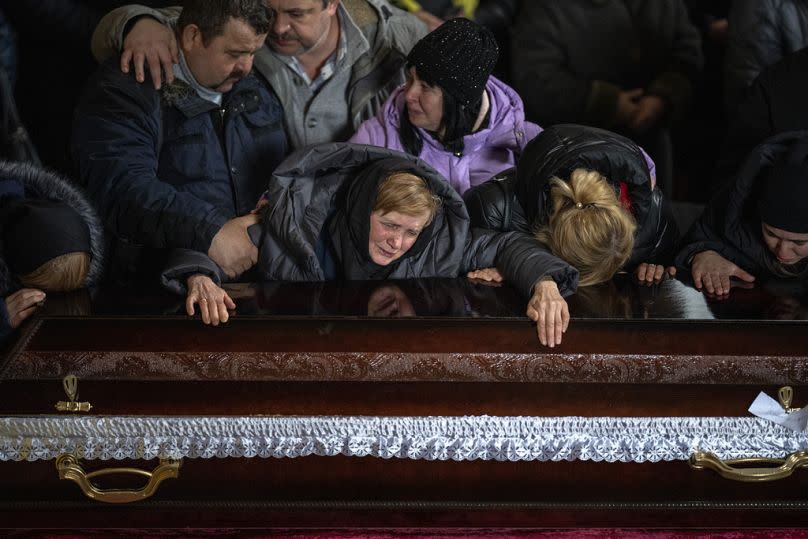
<point x="487" y="152"/>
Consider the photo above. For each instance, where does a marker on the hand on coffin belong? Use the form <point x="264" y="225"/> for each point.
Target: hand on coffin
<point x="649" y="274"/>
<point x="213" y="301"/>
<point x="550" y="312"/>
<point x="712" y="272"/>
<point x="22" y="304"/>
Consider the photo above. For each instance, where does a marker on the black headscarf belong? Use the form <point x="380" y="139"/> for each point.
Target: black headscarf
<point x="783" y="198"/>
<point x="349" y="227"/>
<point x="35" y="231"/>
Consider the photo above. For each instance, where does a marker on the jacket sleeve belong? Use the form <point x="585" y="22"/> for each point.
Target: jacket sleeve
<point x="405" y="29"/>
<point x="108" y="36"/>
<point x="116" y="134"/>
<point x="753" y="43"/>
<point x="182" y="263"/>
<point x="487" y="206"/>
<point x="706" y="235"/>
<point x="651" y="167"/>
<point x="522" y="260"/>
<point x="662" y="237"/>
<point x="550" y="90"/>
<point x="531" y="131"/>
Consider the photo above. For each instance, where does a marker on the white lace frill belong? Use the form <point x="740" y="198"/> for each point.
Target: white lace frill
<point x="612" y="439"/>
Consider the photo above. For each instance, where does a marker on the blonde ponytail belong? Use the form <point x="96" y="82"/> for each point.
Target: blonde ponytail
<point x="588" y="226"/>
<point x="61" y="274"/>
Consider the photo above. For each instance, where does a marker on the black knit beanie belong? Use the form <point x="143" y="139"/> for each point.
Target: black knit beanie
<point x="35" y="231"/>
<point x="783" y="201"/>
<point x="458" y="56"/>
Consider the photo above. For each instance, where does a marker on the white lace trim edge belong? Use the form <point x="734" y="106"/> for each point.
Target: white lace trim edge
<point x="611" y="439"/>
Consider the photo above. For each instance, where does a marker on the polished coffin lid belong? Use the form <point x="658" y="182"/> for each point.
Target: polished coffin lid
<point x="473" y="421"/>
<point x="307" y="369"/>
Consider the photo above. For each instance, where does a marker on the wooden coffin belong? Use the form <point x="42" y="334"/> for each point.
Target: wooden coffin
<point x="304" y="410"/>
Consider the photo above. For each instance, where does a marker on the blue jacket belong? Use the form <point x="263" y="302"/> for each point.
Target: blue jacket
<point x="167" y="168"/>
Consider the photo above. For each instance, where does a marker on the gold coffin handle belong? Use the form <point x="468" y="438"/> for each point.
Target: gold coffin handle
<point x="754" y="469"/>
<point x="69" y="468"/>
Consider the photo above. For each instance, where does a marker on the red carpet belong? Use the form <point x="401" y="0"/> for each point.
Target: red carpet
<point x="422" y="533"/>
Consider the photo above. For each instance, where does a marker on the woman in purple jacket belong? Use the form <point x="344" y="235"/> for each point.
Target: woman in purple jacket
<point x="452" y="113"/>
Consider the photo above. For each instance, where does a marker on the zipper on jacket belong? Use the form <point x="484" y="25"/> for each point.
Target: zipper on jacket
<point x="219" y="116"/>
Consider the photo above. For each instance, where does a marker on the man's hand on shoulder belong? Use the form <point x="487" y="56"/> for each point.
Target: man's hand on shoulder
<point x="153" y="43"/>
<point x="232" y="249"/>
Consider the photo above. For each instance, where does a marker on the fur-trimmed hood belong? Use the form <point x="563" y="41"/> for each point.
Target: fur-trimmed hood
<point x="40" y="183"/>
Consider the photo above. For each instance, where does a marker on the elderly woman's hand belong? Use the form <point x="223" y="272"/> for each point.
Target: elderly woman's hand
<point x="712" y="272"/>
<point x="22" y="304"/>
<point x="213" y="301"/>
<point x="550" y="312"/>
<point x="653" y="273"/>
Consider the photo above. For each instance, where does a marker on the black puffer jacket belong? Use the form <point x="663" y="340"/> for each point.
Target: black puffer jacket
<point x="315" y="228"/>
<point x="761" y="32"/>
<point x="518" y="200"/>
<point x="730" y="225"/>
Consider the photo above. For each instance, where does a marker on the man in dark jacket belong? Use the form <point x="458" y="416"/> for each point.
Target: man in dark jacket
<point x="332" y="63"/>
<point x="183" y="166"/>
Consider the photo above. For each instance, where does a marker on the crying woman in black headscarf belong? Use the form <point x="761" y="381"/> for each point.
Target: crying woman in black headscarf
<point x="351" y="212"/>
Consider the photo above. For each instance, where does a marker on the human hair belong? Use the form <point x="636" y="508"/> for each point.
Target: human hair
<point x="588" y="226"/>
<point x="60" y="274"/>
<point x="408" y="194"/>
<point x="212" y="15"/>
<point x="456" y="122"/>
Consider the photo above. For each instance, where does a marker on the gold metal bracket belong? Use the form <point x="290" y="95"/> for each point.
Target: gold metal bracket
<point x="754" y="469"/>
<point x="784" y="395"/>
<point x="71" y="386"/>
<point x="69" y="468"/>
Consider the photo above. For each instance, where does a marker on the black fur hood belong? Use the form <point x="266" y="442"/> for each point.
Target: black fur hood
<point x="41" y="183"/>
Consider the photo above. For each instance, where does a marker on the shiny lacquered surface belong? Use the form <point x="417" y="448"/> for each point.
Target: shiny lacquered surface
<point x="420" y="348"/>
